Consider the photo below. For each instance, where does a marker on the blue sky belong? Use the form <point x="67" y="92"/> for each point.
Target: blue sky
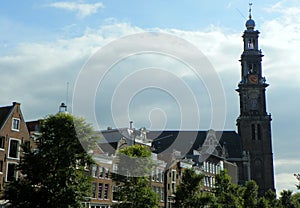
<point x="45" y="44"/>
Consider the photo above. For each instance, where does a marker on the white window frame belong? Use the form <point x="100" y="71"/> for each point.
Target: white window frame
<point x="12" y="124"/>
<point x="16" y="172"/>
<point x="18" y="151"/>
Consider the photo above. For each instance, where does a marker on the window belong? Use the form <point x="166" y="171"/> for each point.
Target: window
<point x="173" y="175"/>
<point x="11" y="172"/>
<point x="253" y="131"/>
<point x="106" y="187"/>
<point x="27" y="146"/>
<point x="173" y="188"/>
<point x="115" y="168"/>
<point x="153" y="175"/>
<point x="14" y="148"/>
<point x="100" y="190"/>
<point x="94" y="187"/>
<point x="106" y="173"/>
<point x="1" y="166"/>
<point x="158" y="191"/>
<point x="94" y="171"/>
<point x="15" y="124"/>
<point x="101" y="172"/>
<point x="251" y="44"/>
<point x="158" y="175"/>
<point x="162" y="194"/>
<point x="2" y="141"/>
<point x="258" y="132"/>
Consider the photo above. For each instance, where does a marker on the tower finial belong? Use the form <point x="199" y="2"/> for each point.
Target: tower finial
<point x="250" y="10"/>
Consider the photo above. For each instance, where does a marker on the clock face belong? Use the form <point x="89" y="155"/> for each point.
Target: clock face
<point x="253" y="79"/>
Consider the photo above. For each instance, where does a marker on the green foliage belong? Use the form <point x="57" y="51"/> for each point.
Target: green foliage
<point x="227" y="194"/>
<point x="286" y="200"/>
<point x="189" y="193"/>
<point x="132" y="179"/>
<point x="262" y="202"/>
<point x="270" y="197"/>
<point x="296" y="199"/>
<point x="250" y="194"/>
<point x="55" y="176"/>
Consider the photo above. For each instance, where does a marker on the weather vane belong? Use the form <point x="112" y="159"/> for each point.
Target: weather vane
<point x="250" y="10"/>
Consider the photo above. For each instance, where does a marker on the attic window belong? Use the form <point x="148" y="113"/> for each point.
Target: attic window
<point x="15" y="124"/>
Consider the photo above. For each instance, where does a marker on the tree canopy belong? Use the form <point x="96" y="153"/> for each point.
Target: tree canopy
<point x="56" y="175"/>
<point x="189" y="194"/>
<point x="132" y="179"/>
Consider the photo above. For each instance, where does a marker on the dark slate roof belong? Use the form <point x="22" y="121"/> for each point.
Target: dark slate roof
<point x="109" y="148"/>
<point x="166" y="141"/>
<point x="4" y="113"/>
<point x="109" y="139"/>
<point x="115" y="135"/>
<point x="187" y="141"/>
<point x="33" y="126"/>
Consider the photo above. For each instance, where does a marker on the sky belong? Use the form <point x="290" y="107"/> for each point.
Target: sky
<point x="46" y="46"/>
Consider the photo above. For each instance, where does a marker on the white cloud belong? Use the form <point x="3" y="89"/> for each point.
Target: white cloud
<point x="82" y="9"/>
<point x="285" y="181"/>
<point x="284" y="162"/>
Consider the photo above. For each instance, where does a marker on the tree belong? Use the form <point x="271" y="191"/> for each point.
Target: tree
<point x="286" y="199"/>
<point x="296" y="199"/>
<point x="298" y="179"/>
<point x="271" y="199"/>
<point x="189" y="193"/>
<point x="227" y="195"/>
<point x="250" y="195"/>
<point x="55" y="176"/>
<point x="262" y="202"/>
<point x="132" y="178"/>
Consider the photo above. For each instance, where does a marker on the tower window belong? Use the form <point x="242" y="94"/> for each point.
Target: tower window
<point x="251" y="44"/>
<point x="253" y="131"/>
<point x="258" y="132"/>
<point x="252" y="68"/>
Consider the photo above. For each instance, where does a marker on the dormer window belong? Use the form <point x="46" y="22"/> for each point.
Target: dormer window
<point x="15" y="124"/>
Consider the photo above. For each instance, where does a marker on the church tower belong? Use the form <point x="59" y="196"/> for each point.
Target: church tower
<point x="254" y="123"/>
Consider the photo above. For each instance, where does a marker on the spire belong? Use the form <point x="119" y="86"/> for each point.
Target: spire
<point x="250" y="24"/>
<point x="250" y="10"/>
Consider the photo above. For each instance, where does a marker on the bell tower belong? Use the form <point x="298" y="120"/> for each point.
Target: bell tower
<point x="254" y="123"/>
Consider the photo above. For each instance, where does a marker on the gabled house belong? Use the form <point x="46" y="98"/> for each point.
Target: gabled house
<point x="13" y="134"/>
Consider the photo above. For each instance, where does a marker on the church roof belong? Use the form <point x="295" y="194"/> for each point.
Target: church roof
<point x="169" y="140"/>
<point x="187" y="141"/>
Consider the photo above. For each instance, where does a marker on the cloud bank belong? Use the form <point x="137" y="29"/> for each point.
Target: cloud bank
<point x="82" y="9"/>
